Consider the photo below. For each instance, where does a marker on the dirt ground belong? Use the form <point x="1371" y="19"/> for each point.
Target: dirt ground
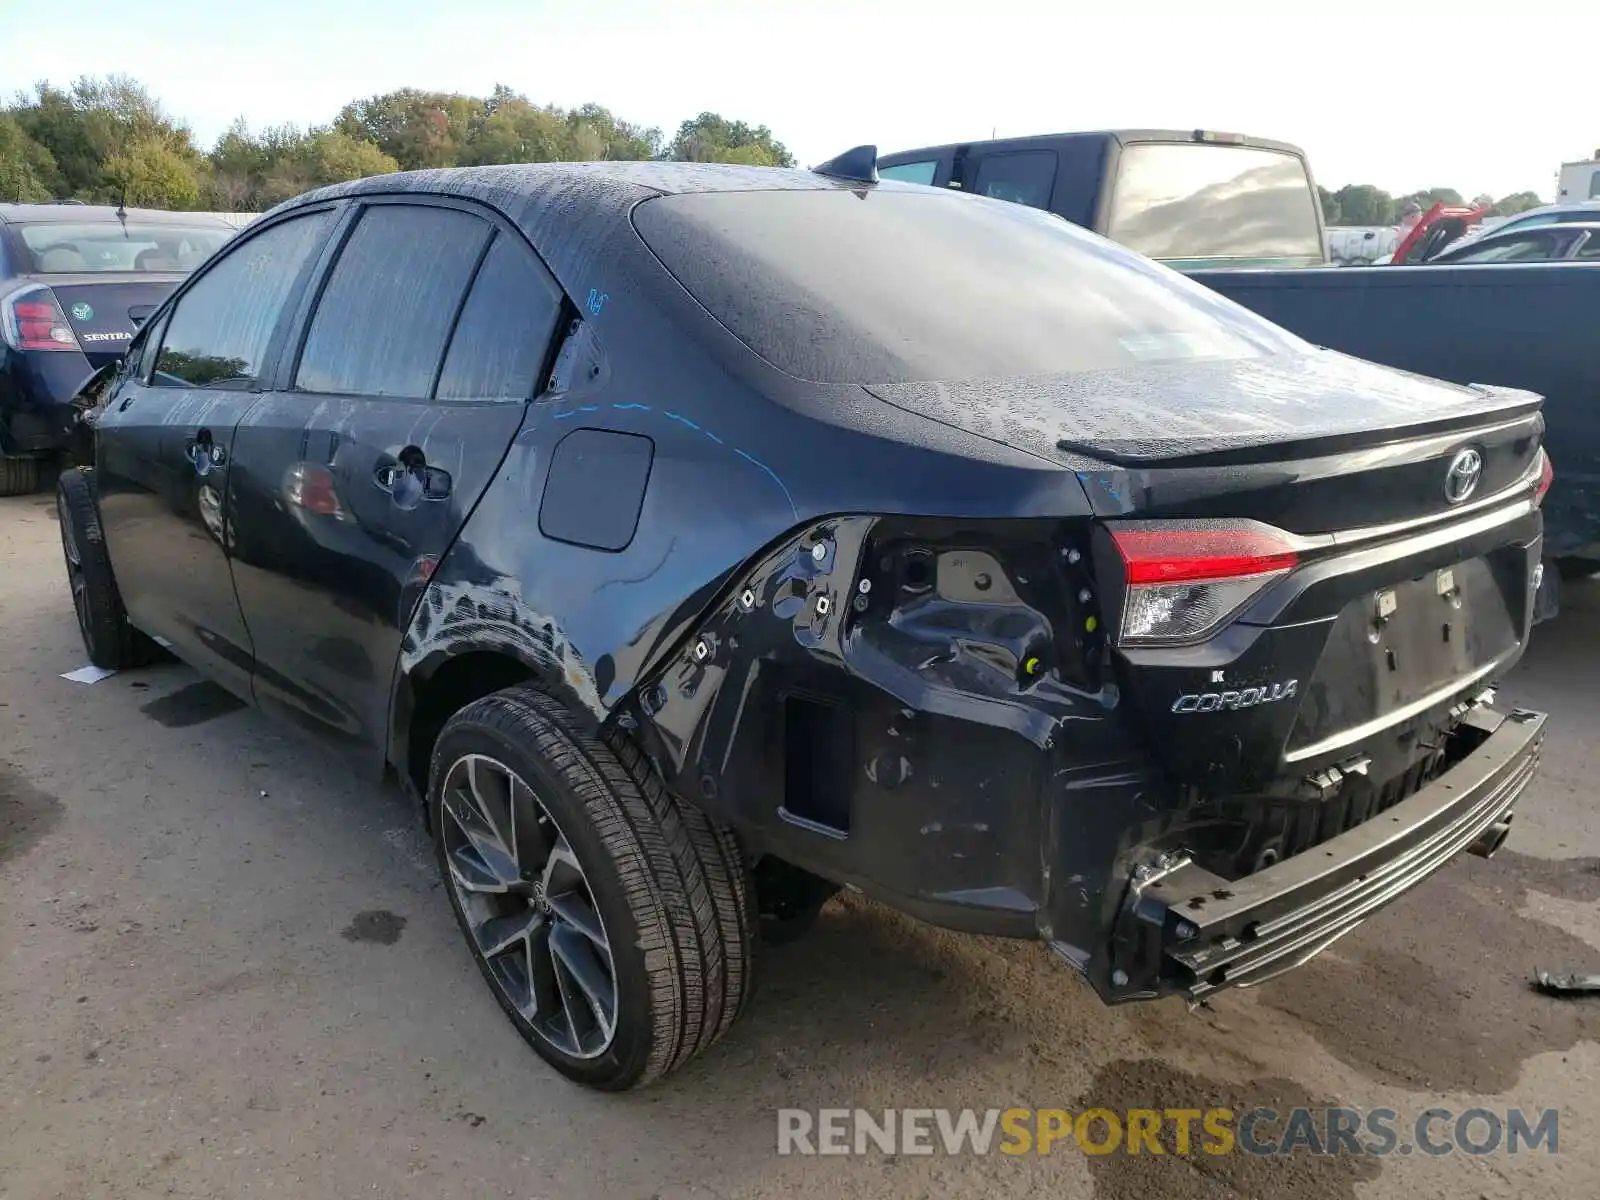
<point x="227" y="969"/>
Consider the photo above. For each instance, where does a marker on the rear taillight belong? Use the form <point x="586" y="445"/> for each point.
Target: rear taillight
<point x="1186" y="580"/>
<point x="1547" y="476"/>
<point x="31" y="319"/>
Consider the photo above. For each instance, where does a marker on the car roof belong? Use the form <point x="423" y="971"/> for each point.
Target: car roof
<point x="1565" y="227"/>
<point x="1124" y="136"/>
<point x="567" y="209"/>
<point x="80" y="214"/>
<point x="1571" y="206"/>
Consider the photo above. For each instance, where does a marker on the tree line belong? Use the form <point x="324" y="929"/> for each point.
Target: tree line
<point x="1363" y="204"/>
<point x="108" y="140"/>
<point x="104" y="140"/>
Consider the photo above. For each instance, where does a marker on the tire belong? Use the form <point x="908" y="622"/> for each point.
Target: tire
<point x="18" y="476"/>
<point x="666" y="890"/>
<point x="111" y="642"/>
<point x="1577" y="568"/>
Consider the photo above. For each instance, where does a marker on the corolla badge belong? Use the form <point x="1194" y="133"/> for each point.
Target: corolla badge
<point x="1461" y="480"/>
<point x="1192" y="702"/>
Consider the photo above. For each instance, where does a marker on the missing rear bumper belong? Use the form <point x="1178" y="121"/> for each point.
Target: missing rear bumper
<point x="1185" y="930"/>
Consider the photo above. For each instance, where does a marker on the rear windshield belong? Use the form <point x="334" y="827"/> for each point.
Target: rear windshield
<point x="106" y="246"/>
<point x="1188" y="200"/>
<point x="900" y="284"/>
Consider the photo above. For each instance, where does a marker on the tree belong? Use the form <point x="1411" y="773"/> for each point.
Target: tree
<point x="1363" y="204"/>
<point x="151" y="174"/>
<point x="95" y="121"/>
<point x="27" y="172"/>
<point x="1517" y="202"/>
<point x="1332" y="214"/>
<point x="415" y="128"/>
<point x="711" y="137"/>
<point x="1426" y="199"/>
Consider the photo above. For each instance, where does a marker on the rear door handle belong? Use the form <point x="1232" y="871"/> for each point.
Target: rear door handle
<point x="203" y="454"/>
<point x="412" y="480"/>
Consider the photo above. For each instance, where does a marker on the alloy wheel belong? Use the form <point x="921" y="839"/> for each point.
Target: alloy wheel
<point x="76" y="579"/>
<point x="528" y="906"/>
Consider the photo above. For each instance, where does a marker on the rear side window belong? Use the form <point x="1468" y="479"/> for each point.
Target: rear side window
<point x="219" y="329"/>
<point x="504" y="331"/>
<point x="387" y="309"/>
<point x="901" y="284"/>
<point x="1025" y="177"/>
<point x="1535" y="246"/>
<point x="912" y="172"/>
<point x="1186" y="200"/>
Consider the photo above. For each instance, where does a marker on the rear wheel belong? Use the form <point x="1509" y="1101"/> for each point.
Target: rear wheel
<point x="111" y="642"/>
<point x="614" y="923"/>
<point x="18" y="476"/>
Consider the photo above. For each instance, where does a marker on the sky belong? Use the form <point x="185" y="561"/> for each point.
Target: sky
<point x="1482" y="98"/>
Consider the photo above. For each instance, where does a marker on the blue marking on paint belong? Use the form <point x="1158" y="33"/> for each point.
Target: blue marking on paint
<point x="683" y="420"/>
<point x="597" y="301"/>
<point x="752" y="458"/>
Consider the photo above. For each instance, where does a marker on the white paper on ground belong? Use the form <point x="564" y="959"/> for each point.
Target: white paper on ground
<point x="88" y="674"/>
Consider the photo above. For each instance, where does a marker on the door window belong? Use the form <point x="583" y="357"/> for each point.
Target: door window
<point x="219" y="330"/>
<point x="912" y="172"/>
<point x="505" y="328"/>
<point x="383" y="319"/>
<point x="1025" y="177"/>
<point x="1537" y="246"/>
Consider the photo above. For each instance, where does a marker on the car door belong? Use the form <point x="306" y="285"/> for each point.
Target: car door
<point x="414" y="367"/>
<point x="164" y="438"/>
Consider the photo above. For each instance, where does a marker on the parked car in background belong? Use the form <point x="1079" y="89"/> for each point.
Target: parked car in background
<point x="694" y="540"/>
<point x="1239" y="214"/>
<point x="1549" y="214"/>
<point x="75" y="281"/>
<point x="1569" y="242"/>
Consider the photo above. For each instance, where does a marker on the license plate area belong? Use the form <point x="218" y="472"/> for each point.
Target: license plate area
<point x="1399" y="644"/>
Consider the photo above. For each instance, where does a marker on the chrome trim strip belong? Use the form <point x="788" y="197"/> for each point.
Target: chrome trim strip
<point x="1404" y="712"/>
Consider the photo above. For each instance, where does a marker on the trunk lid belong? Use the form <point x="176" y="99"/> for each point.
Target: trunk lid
<point x="105" y="310"/>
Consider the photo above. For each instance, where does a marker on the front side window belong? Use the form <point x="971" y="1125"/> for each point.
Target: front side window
<point x="1189" y="200"/>
<point x="1025" y="177"/>
<point x="383" y="319"/>
<point x="912" y="172"/>
<point x="219" y="330"/>
<point x="504" y="331"/>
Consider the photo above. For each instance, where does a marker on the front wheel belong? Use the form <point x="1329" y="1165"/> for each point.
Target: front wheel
<point x="18" y="476"/>
<point x="614" y="923"/>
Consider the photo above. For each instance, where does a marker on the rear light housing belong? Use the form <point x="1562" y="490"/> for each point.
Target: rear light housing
<point x="1547" y="476"/>
<point x="31" y="319"/>
<point x="1185" y="580"/>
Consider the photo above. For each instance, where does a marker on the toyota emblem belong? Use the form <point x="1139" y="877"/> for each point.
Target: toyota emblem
<point x="1461" y="480"/>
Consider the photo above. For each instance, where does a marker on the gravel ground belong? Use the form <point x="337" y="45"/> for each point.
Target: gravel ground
<point x="226" y="969"/>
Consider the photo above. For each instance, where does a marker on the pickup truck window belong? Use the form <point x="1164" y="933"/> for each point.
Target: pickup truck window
<point x="1023" y="177"/>
<point x="913" y="172"/>
<point x="1189" y="200"/>
<point x="899" y="284"/>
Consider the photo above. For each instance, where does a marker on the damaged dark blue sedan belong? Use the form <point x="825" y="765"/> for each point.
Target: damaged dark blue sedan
<point x="693" y="541"/>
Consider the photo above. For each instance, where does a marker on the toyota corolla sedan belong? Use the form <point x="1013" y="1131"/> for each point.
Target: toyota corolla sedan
<point x="692" y="541"/>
